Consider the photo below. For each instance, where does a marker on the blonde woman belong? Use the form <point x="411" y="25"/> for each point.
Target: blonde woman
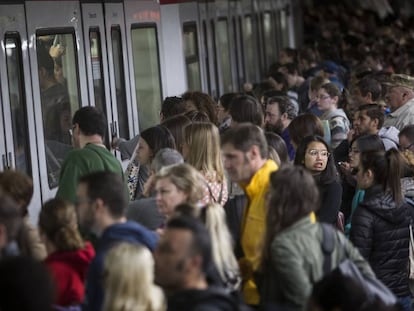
<point x="68" y="255"/>
<point x="178" y="184"/>
<point x="129" y="280"/>
<point x="201" y="149"/>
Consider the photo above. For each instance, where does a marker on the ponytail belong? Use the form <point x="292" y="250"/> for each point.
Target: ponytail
<point x="395" y="170"/>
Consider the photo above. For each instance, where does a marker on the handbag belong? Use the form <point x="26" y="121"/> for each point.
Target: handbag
<point x="373" y="287"/>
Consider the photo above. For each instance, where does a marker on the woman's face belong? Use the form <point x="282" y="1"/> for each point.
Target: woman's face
<point x="144" y="152"/>
<point x="365" y="179"/>
<point x="168" y="196"/>
<point x="316" y="157"/>
<point x="325" y="101"/>
<point x="354" y="155"/>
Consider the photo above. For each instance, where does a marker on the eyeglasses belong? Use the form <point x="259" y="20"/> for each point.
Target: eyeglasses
<point x="71" y="130"/>
<point x="407" y="147"/>
<point x="321" y="153"/>
<point x="323" y="97"/>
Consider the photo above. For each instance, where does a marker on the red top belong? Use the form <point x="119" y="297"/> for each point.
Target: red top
<point x="69" y="271"/>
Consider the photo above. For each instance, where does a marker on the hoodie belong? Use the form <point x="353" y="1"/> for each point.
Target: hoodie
<point x="210" y="299"/>
<point x="389" y="136"/>
<point x="338" y="125"/>
<point x="68" y="269"/>
<point x="380" y="232"/>
<point x="129" y="232"/>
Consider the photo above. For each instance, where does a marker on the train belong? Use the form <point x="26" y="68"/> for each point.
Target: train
<point x="123" y="57"/>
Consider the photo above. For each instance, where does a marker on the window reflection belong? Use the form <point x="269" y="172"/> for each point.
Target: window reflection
<point x="59" y="93"/>
<point x="224" y="55"/>
<point x="192" y="60"/>
<point x="17" y="103"/>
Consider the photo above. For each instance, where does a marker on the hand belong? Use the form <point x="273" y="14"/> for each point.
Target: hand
<point x="56" y="50"/>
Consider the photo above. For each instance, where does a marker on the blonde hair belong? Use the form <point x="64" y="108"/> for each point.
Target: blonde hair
<point x="186" y="178"/>
<point x="203" y="140"/>
<point x="214" y="218"/>
<point x="58" y="221"/>
<point x="129" y="280"/>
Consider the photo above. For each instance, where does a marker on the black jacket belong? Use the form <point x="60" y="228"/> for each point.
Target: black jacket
<point x="380" y="232"/>
<point x="211" y="299"/>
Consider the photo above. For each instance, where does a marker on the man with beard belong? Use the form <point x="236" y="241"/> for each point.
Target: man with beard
<point x="280" y="111"/>
<point x="101" y="202"/>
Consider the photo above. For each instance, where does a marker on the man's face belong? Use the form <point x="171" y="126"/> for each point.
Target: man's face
<point x="273" y="119"/>
<point x="405" y="144"/>
<point x="85" y="209"/>
<point x="171" y="258"/>
<point x="365" y="124"/>
<point x="395" y="97"/>
<point x="236" y="163"/>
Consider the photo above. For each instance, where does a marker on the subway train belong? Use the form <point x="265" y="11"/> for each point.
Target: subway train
<point x="123" y="57"/>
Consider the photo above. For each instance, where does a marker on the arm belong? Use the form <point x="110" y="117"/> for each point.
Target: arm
<point x="362" y="231"/>
<point x="70" y="173"/>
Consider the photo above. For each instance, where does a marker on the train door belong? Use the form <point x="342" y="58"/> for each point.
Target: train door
<point x="106" y="64"/>
<point x="195" y="58"/>
<point x="225" y="49"/>
<point x="269" y="49"/>
<point x="236" y="38"/>
<point x="147" y="68"/>
<point x="17" y="133"/>
<point x="58" y="81"/>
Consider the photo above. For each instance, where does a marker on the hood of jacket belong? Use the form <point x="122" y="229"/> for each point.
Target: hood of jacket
<point x="383" y="205"/>
<point x="129" y="231"/>
<point x="334" y="113"/>
<point x="389" y="136"/>
<point x="78" y="260"/>
<point x="212" y="298"/>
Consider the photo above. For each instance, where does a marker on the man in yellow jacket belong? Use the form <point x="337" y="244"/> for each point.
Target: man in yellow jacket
<point x="245" y="152"/>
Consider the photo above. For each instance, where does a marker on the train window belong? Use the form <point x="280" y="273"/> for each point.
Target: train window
<point x="249" y="49"/>
<point x="147" y="74"/>
<point x="17" y="103"/>
<point x="118" y="61"/>
<point x="207" y="58"/>
<point x="214" y="40"/>
<point x="223" y="42"/>
<point x="97" y="73"/>
<point x="269" y="38"/>
<point x="284" y="28"/>
<point x="59" y="93"/>
<point x="192" y="60"/>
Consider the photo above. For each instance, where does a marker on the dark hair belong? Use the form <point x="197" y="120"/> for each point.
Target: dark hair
<point x="369" y="85"/>
<point x="201" y="242"/>
<point x="172" y="106"/>
<point x="226" y="99"/>
<point x="373" y="112"/>
<point x="176" y="124"/>
<point x="244" y="136"/>
<point x="262" y="87"/>
<point x="246" y="108"/>
<point x="158" y="137"/>
<point x="10" y="216"/>
<point x="304" y="125"/>
<point x="44" y="60"/>
<point x="91" y="121"/>
<point x="272" y="93"/>
<point x="293" y="194"/>
<point x="330" y="173"/>
<point x="285" y="106"/>
<point x="18" y="186"/>
<point x="367" y="143"/>
<point x="110" y="188"/>
<point x="408" y="131"/>
<point x="280" y="78"/>
<point x="25" y="285"/>
<point x="388" y="169"/>
<point x="278" y="144"/>
<point x="316" y="83"/>
<point x="204" y="103"/>
<point x="332" y="90"/>
<point x="291" y="68"/>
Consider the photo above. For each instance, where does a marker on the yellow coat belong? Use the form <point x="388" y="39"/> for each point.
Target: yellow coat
<point x="252" y="229"/>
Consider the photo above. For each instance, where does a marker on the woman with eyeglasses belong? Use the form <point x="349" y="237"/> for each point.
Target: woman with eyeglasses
<point x="380" y="223"/>
<point x="313" y="154"/>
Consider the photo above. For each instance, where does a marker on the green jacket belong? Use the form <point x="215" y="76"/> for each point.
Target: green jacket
<point x="297" y="262"/>
<point x="80" y="162"/>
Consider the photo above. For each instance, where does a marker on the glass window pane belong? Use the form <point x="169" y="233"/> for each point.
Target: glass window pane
<point x="224" y="55"/>
<point x="59" y="92"/>
<point x="17" y="103"/>
<point x="207" y="57"/>
<point x="119" y="73"/>
<point x="192" y="60"/>
<point x="249" y="46"/>
<point x="284" y="29"/>
<point x="97" y="75"/>
<point x="270" y="38"/>
<point x="147" y="75"/>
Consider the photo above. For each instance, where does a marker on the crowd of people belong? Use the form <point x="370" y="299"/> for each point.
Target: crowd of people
<point x="225" y="204"/>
